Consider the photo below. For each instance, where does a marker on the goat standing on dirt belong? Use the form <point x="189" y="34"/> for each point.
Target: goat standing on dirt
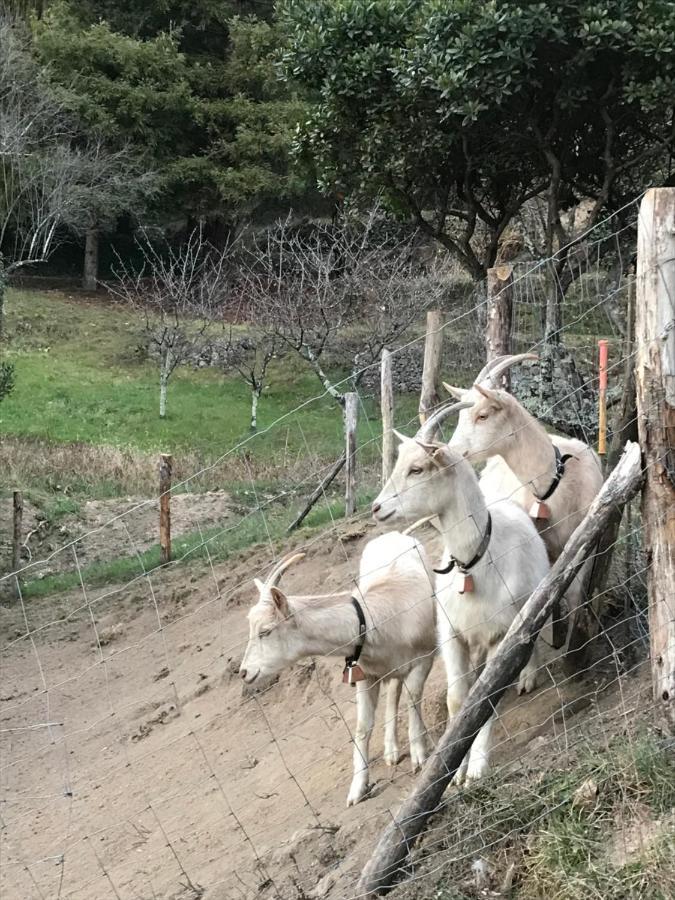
<point x="554" y="479"/>
<point x="492" y="562"/>
<point x="389" y="624"/>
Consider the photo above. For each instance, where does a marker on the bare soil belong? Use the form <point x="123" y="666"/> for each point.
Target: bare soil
<point x="134" y="765"/>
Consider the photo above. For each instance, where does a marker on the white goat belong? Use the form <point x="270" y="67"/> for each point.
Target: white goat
<point x="491" y="564"/>
<point x="554" y="479"/>
<point x="395" y="595"/>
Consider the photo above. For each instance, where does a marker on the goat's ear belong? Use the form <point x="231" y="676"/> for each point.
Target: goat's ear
<point x="457" y="393"/>
<point x="441" y="457"/>
<point x="438" y="452"/>
<point x="401" y="437"/>
<point x="280" y="601"/>
<point x="493" y="396"/>
<point x="259" y="585"/>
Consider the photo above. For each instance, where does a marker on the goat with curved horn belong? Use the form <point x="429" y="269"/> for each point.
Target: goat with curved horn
<point x="491" y="371"/>
<point x="287" y="560"/>
<point x="431" y="427"/>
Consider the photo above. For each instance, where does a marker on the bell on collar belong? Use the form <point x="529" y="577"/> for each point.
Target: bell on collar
<point x="540" y="510"/>
<point x="466" y="585"/>
<point x="352" y="673"/>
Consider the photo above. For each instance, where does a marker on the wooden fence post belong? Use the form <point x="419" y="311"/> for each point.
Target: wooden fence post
<point x="499" y="315"/>
<point x="165" y="466"/>
<point x="655" y="384"/>
<point x="431" y="370"/>
<point x="387" y="407"/>
<point x="16" y="532"/>
<point x="351" y="414"/>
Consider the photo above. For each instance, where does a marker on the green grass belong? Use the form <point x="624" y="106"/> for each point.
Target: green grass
<point x="79" y="378"/>
<point x="561" y="848"/>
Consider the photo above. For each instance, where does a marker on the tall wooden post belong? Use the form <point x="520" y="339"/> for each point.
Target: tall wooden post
<point x="17" y="530"/>
<point x="499" y="315"/>
<point x="351" y="414"/>
<point x="387" y="407"/>
<point x="165" y="466"/>
<point x="431" y="371"/>
<point x="602" y="397"/>
<point x="655" y="383"/>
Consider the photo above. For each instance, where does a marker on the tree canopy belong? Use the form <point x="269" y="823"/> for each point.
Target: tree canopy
<point x="190" y="87"/>
<point x="460" y="112"/>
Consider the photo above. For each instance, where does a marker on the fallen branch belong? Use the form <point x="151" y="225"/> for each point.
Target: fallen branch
<point x="387" y="863"/>
<point x="318" y="492"/>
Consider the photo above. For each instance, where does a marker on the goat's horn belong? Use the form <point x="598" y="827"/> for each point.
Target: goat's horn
<point x="428" y="431"/>
<point x="281" y="567"/>
<point x="417" y="524"/>
<point x="494" y="369"/>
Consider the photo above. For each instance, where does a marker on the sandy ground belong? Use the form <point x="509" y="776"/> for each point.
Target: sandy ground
<point x="134" y="766"/>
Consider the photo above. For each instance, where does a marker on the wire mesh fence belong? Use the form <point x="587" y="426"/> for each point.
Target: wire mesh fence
<point x="135" y="763"/>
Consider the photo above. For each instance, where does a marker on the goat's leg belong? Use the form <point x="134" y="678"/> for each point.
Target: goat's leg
<point x="420" y="743"/>
<point x="479" y="754"/>
<point x="528" y="676"/>
<point x="367" y="693"/>
<point x="460" y="678"/>
<point x="391" y="751"/>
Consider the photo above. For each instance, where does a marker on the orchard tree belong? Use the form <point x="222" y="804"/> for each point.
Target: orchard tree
<point x="178" y="293"/>
<point x="462" y="112"/>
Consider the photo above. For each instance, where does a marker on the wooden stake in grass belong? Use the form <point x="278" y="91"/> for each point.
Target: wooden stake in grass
<point x="602" y="399"/>
<point x="17" y="531"/>
<point x="387" y="407"/>
<point x="165" y="466"/>
<point x="431" y="371"/>
<point x="351" y="413"/>
<point x="499" y="316"/>
<point x="655" y="384"/>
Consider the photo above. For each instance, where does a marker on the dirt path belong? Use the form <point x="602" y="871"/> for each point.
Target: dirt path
<point x="133" y="765"/>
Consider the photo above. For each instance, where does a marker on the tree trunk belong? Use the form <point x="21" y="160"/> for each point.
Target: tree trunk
<point x="255" y="397"/>
<point x="163" y="382"/>
<point x="655" y="382"/>
<point x="91" y="242"/>
<point x="3" y="288"/>
<point x="387" y="863"/>
<point x="309" y="355"/>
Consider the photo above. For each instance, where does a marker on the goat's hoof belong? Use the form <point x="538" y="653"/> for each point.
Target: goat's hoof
<point x="357" y="794"/>
<point x="477" y="771"/>
<point x="527" y="683"/>
<point x="392" y="757"/>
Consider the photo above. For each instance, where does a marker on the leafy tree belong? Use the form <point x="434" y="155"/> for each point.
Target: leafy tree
<point x="461" y="112"/>
<point x="190" y="87"/>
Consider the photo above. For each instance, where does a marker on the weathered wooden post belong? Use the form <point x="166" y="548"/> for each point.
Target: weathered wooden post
<point x="655" y="384"/>
<point x="602" y="397"/>
<point x="351" y="415"/>
<point x="499" y="315"/>
<point x="387" y="407"/>
<point x="17" y="531"/>
<point x="431" y="370"/>
<point x="165" y="467"/>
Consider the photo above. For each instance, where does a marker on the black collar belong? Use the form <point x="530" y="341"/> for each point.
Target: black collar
<point x="354" y="658"/>
<point x="559" y="472"/>
<point x="464" y="567"/>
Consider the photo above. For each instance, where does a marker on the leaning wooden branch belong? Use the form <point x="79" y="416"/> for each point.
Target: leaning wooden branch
<point x="387" y="864"/>
<point x="317" y="492"/>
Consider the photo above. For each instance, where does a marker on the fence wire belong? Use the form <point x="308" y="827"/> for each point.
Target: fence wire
<point x="133" y="763"/>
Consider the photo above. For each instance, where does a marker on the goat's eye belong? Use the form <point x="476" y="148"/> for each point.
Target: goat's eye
<point x="415" y="470"/>
<point x="264" y="634"/>
<point x="482" y="416"/>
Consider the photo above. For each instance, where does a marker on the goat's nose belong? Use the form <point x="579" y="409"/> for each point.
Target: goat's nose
<point x="242" y="672"/>
<point x="375" y="508"/>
